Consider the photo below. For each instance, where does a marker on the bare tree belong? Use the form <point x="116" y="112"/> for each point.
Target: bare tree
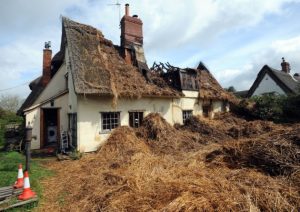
<point x="10" y="102"/>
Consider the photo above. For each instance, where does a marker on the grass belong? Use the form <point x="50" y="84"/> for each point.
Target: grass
<point x="9" y="168"/>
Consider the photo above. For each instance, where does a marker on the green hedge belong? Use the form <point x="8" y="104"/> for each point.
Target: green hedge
<point x="5" y="119"/>
<point x="277" y="108"/>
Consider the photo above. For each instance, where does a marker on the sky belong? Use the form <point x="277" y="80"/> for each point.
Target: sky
<point x="233" y="38"/>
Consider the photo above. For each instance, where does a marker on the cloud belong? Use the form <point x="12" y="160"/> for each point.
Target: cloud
<point x="243" y="77"/>
<point x="178" y="31"/>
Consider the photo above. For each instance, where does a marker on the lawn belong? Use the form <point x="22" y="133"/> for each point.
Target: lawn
<point x="9" y="168"/>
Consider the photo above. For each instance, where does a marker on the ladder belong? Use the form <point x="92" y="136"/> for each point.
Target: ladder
<point x="64" y="141"/>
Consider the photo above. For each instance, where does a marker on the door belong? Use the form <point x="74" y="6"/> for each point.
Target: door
<point x="50" y="131"/>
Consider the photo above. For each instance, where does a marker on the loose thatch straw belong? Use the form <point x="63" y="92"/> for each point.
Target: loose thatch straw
<point x="160" y="168"/>
<point x="98" y="68"/>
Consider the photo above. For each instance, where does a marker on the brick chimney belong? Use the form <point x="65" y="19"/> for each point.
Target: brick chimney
<point x="47" y="55"/>
<point x="131" y="34"/>
<point x="285" y="66"/>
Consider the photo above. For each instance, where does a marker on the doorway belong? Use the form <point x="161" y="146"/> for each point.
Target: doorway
<point x="50" y="132"/>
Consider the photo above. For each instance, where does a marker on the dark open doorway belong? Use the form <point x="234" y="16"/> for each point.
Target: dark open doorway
<point x="50" y="132"/>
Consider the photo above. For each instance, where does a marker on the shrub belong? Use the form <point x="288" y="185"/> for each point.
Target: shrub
<point x="291" y="108"/>
<point x="269" y="107"/>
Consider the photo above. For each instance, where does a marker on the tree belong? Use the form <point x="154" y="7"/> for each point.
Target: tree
<point x="231" y="89"/>
<point x="10" y="102"/>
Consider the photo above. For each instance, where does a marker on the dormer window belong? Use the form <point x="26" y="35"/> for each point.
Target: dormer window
<point x="189" y="81"/>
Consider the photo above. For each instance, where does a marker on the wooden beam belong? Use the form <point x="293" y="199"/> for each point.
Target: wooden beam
<point x="20" y="203"/>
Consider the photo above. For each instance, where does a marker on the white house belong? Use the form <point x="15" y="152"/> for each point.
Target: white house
<point x="270" y="80"/>
<point x="92" y="86"/>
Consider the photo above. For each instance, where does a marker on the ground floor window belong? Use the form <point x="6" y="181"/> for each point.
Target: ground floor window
<point x="205" y="110"/>
<point x="186" y="114"/>
<point x="110" y="120"/>
<point x="224" y="106"/>
<point x="73" y="129"/>
<point x="135" y="119"/>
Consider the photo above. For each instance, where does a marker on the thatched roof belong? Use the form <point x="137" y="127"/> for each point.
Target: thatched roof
<point x="166" y="75"/>
<point x="97" y="67"/>
<point x="36" y="89"/>
<point x="209" y="88"/>
<point x="284" y="80"/>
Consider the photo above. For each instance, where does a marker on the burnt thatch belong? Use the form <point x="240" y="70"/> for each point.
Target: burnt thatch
<point x="202" y="80"/>
<point x="98" y="68"/>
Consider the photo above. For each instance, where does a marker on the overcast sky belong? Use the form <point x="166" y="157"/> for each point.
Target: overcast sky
<point x="233" y="38"/>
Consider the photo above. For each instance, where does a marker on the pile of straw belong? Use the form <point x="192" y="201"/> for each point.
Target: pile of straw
<point x="160" y="168"/>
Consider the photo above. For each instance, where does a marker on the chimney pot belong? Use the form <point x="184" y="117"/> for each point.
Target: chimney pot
<point x="285" y="66"/>
<point x="126" y="9"/>
<point x="135" y="16"/>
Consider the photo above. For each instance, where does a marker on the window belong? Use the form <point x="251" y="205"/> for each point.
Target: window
<point x="110" y="120"/>
<point x="206" y="110"/>
<point x="189" y="81"/>
<point x="224" y="106"/>
<point x="135" y="119"/>
<point x="72" y="125"/>
<point x="186" y="114"/>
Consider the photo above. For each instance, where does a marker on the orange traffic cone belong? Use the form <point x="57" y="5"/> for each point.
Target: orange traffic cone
<point x="20" y="181"/>
<point x="27" y="192"/>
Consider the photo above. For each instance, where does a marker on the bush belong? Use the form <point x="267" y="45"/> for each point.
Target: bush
<point x="291" y="108"/>
<point x="269" y="107"/>
<point x="6" y="118"/>
<point x="277" y="108"/>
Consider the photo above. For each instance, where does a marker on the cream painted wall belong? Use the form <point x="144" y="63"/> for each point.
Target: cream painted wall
<point x="56" y="85"/>
<point x="191" y="94"/>
<point x="267" y="85"/>
<point x="185" y="104"/>
<point x="216" y="108"/>
<point x="33" y="118"/>
<point x="89" y="133"/>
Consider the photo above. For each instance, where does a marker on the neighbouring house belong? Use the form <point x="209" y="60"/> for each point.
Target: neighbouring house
<point x="241" y="94"/>
<point x="92" y="86"/>
<point x="272" y="81"/>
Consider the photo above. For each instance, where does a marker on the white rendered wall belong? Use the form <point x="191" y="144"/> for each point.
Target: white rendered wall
<point x="89" y="133"/>
<point x="189" y="102"/>
<point x="56" y="85"/>
<point x="33" y="118"/>
<point x="267" y="85"/>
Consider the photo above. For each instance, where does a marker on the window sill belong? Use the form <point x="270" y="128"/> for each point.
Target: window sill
<point x="105" y="132"/>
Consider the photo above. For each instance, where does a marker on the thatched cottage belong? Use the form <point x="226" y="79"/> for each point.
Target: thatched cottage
<point x="92" y="86"/>
<point x="273" y="81"/>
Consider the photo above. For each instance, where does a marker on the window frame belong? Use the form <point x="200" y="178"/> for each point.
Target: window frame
<point x="112" y="125"/>
<point x="72" y="128"/>
<point x="185" y="115"/>
<point x="133" y="122"/>
<point x="189" y="81"/>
